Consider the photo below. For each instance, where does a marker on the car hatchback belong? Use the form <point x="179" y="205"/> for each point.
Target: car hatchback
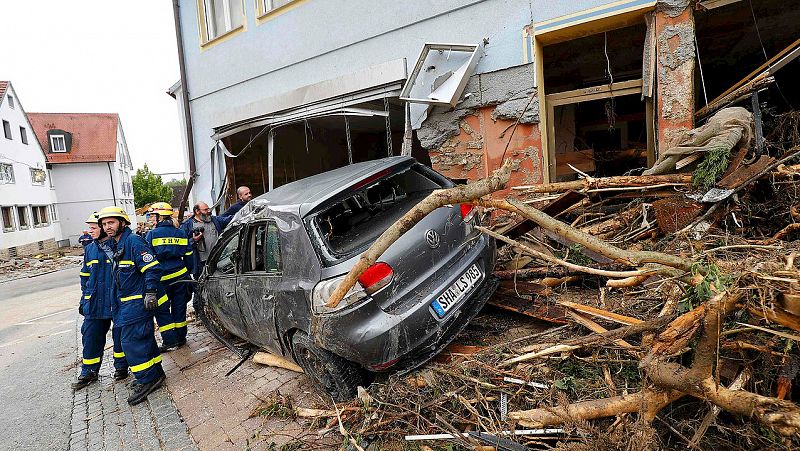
<point x="273" y="269"/>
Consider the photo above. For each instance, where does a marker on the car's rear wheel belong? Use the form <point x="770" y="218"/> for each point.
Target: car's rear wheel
<point x="330" y="374"/>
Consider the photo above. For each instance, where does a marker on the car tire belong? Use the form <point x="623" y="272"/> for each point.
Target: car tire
<point x="330" y="374"/>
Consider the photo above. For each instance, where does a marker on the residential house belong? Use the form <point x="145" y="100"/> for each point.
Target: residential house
<point x="30" y="220"/>
<point x="91" y="166"/>
<point x="282" y="89"/>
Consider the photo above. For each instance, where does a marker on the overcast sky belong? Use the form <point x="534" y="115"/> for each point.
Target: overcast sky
<point x="99" y="56"/>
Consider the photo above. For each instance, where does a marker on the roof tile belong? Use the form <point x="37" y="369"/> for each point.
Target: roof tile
<point x="94" y="135"/>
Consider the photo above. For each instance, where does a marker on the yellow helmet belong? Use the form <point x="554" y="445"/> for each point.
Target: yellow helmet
<point x="113" y="212"/>
<point x="161" y="208"/>
<point x="92" y="219"/>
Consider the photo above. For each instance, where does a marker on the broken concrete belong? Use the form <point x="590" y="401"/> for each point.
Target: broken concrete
<point x="672" y="8"/>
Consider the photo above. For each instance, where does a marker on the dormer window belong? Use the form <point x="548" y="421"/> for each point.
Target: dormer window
<point x="58" y="143"/>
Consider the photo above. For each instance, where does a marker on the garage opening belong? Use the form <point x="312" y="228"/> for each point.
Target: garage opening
<point x="599" y="123"/>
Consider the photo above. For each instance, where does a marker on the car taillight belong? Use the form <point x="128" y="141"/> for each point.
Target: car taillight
<point x="467" y="212"/>
<point x="376" y="277"/>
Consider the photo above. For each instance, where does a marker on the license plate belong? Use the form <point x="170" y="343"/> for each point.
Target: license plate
<point x="457" y="291"/>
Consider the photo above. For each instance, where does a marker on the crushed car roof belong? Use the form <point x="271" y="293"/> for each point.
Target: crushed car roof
<point x="304" y="195"/>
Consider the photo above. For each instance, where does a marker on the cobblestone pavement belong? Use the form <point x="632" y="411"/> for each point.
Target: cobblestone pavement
<point x="103" y="420"/>
<point x="222" y="412"/>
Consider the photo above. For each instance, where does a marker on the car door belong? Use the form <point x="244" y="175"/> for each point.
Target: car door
<point x="220" y="288"/>
<point x="258" y="282"/>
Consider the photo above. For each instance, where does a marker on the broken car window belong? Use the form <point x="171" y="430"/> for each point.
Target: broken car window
<point x="273" y="249"/>
<point x="226" y="261"/>
<point x="264" y="250"/>
<point x="355" y="222"/>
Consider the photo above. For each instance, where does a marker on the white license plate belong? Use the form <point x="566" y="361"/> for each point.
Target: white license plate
<point x="457" y="291"/>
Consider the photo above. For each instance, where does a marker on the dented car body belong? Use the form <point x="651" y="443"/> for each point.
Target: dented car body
<point x="272" y="270"/>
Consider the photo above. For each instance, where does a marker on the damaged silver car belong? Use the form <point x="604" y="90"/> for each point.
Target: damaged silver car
<point x="271" y="272"/>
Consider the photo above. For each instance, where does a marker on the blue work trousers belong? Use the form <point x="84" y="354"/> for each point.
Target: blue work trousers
<point x="93" y="336"/>
<point x="171" y="316"/>
<point x="141" y="350"/>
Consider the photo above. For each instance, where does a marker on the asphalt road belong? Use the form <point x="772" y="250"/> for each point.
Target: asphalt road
<point x="38" y="355"/>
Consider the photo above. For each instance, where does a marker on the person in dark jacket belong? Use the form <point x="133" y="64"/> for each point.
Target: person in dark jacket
<point x="95" y="307"/>
<point x="86" y="239"/>
<point x="203" y="229"/>
<point x="244" y="195"/>
<point x="175" y="255"/>
<point x="136" y="276"/>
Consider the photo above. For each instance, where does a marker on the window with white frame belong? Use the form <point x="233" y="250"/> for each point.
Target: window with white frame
<point x="11" y="102"/>
<point x="58" y="143"/>
<point x="54" y="212"/>
<point x="23" y="133"/>
<point x="8" y="219"/>
<point x="38" y="176"/>
<point x="221" y="16"/>
<point x="39" y="215"/>
<point x="50" y="177"/>
<point x="6" y="173"/>
<point x="22" y="217"/>
<point x="265" y="6"/>
<point x="7" y="130"/>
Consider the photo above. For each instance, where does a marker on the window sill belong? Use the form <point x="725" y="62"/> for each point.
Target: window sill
<point x="223" y="37"/>
<point x="265" y="16"/>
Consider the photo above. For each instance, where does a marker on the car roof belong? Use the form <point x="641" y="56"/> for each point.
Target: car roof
<point x="308" y="193"/>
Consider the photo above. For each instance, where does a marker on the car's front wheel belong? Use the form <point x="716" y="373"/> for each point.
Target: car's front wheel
<point x="330" y="374"/>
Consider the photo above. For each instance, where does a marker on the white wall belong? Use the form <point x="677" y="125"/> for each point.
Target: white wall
<point x="23" y="193"/>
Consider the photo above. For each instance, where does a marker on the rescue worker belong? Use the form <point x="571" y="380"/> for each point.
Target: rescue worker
<point x="95" y="306"/>
<point x="136" y="277"/>
<point x="175" y="256"/>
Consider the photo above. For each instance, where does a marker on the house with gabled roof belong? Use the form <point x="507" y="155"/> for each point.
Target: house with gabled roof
<point x="29" y="219"/>
<point x="89" y="162"/>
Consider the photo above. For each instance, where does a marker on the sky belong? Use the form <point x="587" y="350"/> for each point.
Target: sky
<point x="99" y="56"/>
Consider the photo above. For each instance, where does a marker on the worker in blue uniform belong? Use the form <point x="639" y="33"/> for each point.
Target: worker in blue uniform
<point x="95" y="306"/>
<point x="175" y="256"/>
<point x="136" y="277"/>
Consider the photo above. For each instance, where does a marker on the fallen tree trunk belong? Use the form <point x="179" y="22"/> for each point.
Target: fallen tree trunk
<point x="622" y="181"/>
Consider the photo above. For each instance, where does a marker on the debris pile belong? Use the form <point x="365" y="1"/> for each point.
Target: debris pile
<point x="674" y="300"/>
<point x="36" y="265"/>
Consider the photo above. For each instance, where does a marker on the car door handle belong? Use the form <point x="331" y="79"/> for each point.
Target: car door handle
<point x="229" y="294"/>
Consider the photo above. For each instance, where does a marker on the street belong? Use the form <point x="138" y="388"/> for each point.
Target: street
<point x="38" y="327"/>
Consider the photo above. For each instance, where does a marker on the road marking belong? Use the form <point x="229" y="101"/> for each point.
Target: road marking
<point x="30" y="321"/>
<point x="62" y="332"/>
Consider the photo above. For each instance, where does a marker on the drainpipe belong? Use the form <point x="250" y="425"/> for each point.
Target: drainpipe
<point x="187" y="114"/>
<point x="111" y="178"/>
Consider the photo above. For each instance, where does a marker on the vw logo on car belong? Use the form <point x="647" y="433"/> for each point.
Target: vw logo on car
<point x="432" y="237"/>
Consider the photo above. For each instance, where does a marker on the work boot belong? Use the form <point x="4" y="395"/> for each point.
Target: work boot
<point x="120" y="374"/>
<point x="167" y="348"/>
<point x="84" y="380"/>
<point x="140" y="391"/>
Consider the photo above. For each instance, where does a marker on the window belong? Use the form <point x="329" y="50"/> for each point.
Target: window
<point x="7" y="129"/>
<point x="58" y="143"/>
<point x="54" y="212"/>
<point x="38" y="176"/>
<point x="22" y="216"/>
<point x="11" y="102"/>
<point x="264" y="249"/>
<point x="39" y="215"/>
<point x="24" y="135"/>
<point x="221" y="16"/>
<point x="265" y="6"/>
<point x="226" y="261"/>
<point x="8" y="219"/>
<point x="6" y="173"/>
<point x="50" y="177"/>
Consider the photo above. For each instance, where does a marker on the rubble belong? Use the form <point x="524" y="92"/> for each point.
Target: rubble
<point x="39" y="264"/>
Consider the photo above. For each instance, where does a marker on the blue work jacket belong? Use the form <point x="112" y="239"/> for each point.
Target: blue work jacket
<point x="220" y="222"/>
<point x="172" y="249"/>
<point x="135" y="271"/>
<point x="97" y="287"/>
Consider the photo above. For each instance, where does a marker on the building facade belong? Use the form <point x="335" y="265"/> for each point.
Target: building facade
<point x="279" y="90"/>
<point x="30" y="219"/>
<point x="90" y="165"/>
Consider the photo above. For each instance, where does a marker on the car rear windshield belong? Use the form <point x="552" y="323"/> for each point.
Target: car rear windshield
<point x="352" y="224"/>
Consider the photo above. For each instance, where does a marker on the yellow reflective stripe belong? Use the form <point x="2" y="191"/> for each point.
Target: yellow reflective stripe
<point x="181" y="324"/>
<point x="119" y="355"/>
<point x="170" y="240"/>
<point x="166" y="327"/>
<point x="91" y="262"/>
<point x="147" y="266"/>
<point x="163" y="299"/>
<point x="88" y="296"/>
<point x="189" y="253"/>
<point x="146" y="365"/>
<point x="91" y="361"/>
<point x="126" y="262"/>
<point x="128" y="298"/>
<point x="86" y="274"/>
<point x="177" y="273"/>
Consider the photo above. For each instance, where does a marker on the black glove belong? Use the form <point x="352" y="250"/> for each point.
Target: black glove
<point x="80" y="308"/>
<point x="150" y="301"/>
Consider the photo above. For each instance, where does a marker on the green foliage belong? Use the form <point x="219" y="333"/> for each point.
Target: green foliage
<point x="715" y="281"/>
<point x="175" y="182"/>
<point x="574" y="254"/>
<point x="566" y="383"/>
<point x="711" y="169"/>
<point x="149" y="188"/>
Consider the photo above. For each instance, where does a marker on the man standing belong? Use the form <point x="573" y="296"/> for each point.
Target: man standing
<point x="136" y="278"/>
<point x="244" y="195"/>
<point x="96" y="299"/>
<point x="174" y="253"/>
<point x="203" y="229"/>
